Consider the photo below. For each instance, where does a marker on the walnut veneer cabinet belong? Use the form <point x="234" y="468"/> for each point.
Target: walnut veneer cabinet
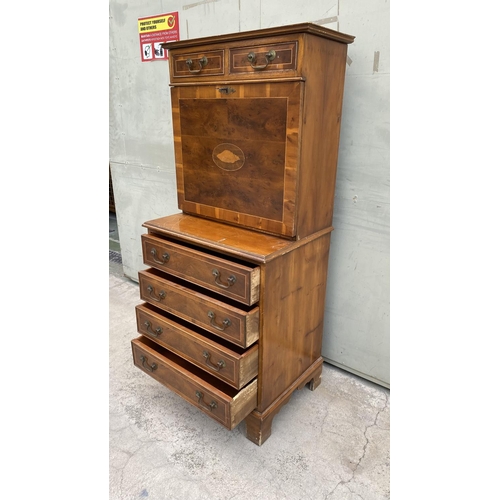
<point x="232" y="318"/>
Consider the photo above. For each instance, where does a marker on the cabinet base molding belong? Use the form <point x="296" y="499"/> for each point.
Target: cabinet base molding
<point x="259" y="424"/>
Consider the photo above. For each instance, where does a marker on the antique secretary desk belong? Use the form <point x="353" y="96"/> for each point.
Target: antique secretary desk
<point x="232" y="318"/>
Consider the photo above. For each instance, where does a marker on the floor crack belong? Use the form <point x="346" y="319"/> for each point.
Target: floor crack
<point x="345" y="483"/>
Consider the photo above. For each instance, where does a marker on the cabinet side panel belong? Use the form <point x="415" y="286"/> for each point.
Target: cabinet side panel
<point x="324" y="67"/>
<point x="292" y="309"/>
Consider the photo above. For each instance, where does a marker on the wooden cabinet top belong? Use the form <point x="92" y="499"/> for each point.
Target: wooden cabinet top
<point x="230" y="240"/>
<point x="310" y="28"/>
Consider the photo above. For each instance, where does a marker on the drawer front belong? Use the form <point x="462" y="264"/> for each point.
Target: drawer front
<point x="221" y="402"/>
<point x="237" y="153"/>
<point x="225" y="364"/>
<point x="233" y="324"/>
<point x="208" y="63"/>
<point x="261" y="59"/>
<point x="230" y="279"/>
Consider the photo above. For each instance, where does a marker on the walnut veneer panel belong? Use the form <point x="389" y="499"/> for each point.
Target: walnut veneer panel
<point x="236" y="154"/>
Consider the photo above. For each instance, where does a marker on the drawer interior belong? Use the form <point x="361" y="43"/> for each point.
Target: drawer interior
<point x="207" y="251"/>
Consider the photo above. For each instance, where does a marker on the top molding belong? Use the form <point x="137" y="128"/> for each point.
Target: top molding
<point x="311" y="28"/>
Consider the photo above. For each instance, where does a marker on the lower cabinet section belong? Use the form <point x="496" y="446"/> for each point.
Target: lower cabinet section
<point x="232" y="359"/>
<point x="223" y="403"/>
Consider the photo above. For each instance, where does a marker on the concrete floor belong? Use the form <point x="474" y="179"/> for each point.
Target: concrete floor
<point x="332" y="443"/>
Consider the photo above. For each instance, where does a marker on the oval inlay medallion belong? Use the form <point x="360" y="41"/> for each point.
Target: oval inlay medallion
<point x="228" y="156"/>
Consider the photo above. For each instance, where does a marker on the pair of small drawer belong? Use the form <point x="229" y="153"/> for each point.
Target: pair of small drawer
<point x="200" y="326"/>
<point x="270" y="57"/>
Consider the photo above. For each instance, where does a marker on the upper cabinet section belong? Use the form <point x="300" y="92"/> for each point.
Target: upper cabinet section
<point x="256" y="119"/>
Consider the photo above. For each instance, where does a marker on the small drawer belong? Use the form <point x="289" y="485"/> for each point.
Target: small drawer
<point x="231" y="364"/>
<point x="233" y="280"/>
<point x="210" y="62"/>
<point x="237" y="325"/>
<point x="263" y="58"/>
<point x="223" y="403"/>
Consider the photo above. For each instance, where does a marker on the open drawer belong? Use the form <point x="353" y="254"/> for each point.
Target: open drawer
<point x="223" y="403"/>
<point x="230" y="279"/>
<point x="230" y="363"/>
<point x="239" y="325"/>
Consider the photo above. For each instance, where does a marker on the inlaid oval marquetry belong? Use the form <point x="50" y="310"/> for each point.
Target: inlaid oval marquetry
<point x="228" y="156"/>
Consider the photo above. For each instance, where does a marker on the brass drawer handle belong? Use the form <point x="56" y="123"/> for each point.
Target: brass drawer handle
<point x="202" y="62"/>
<point x="270" y="56"/>
<point x="211" y="406"/>
<point x="216" y="368"/>
<point x="152" y="294"/>
<point x="230" y="281"/>
<point x="165" y="257"/>
<point x="158" y="331"/>
<point x="151" y="368"/>
<point x="225" y="324"/>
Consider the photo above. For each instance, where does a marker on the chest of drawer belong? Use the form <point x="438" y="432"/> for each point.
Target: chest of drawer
<point x="230" y="279"/>
<point x="237" y="325"/>
<point x="229" y="363"/>
<point x="223" y="403"/>
<point x="235" y="295"/>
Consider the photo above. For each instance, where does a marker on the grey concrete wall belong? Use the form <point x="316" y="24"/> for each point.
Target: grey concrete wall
<point x="356" y="333"/>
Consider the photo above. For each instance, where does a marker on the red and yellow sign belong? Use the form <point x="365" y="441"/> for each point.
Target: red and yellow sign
<point x="155" y="30"/>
